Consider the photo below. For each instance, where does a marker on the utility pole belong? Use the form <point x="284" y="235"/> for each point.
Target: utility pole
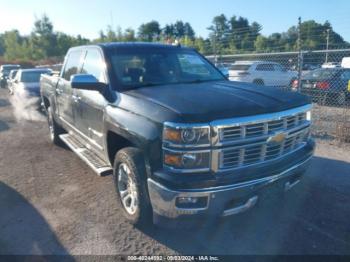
<point x="300" y="55"/>
<point x="327" y="45"/>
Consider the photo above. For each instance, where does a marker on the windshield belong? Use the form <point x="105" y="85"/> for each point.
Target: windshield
<point x="6" y="69"/>
<point x="321" y="74"/>
<point x="240" y="67"/>
<point x="31" y="77"/>
<point x="136" y="68"/>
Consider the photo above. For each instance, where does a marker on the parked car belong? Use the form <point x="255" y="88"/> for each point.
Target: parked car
<point x="262" y="73"/>
<point x="331" y="65"/>
<point x="345" y="62"/>
<point x="29" y="81"/>
<point x="327" y="85"/>
<point x="11" y="79"/>
<point x="224" y="68"/>
<point x="180" y="139"/>
<point x="4" y="73"/>
<point x="310" y="67"/>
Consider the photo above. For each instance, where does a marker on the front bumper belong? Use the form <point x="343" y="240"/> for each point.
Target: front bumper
<point x="222" y="200"/>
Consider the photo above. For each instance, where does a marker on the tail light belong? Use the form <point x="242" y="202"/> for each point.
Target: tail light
<point x="322" y="85"/>
<point x="295" y="84"/>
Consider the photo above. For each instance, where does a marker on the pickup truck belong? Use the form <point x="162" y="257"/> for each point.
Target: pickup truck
<point x="181" y="141"/>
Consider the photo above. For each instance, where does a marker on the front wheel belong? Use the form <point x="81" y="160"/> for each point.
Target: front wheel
<point x="54" y="129"/>
<point x="130" y="182"/>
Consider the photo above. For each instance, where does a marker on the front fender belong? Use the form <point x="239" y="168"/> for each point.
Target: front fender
<point x="142" y="132"/>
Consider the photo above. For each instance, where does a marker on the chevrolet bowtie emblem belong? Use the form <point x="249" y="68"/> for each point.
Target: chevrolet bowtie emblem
<point x="276" y="138"/>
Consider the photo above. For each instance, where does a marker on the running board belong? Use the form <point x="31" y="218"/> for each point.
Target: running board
<point x="101" y="167"/>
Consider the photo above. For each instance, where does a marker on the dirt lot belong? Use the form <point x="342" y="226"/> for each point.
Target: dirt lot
<point x="52" y="203"/>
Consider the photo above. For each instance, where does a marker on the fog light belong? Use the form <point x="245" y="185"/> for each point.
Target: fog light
<point x="191" y="202"/>
<point x="187" y="200"/>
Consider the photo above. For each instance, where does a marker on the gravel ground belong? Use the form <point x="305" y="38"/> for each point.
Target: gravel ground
<point x="52" y="203"/>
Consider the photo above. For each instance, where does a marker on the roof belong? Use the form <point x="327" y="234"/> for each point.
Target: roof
<point x="9" y="66"/>
<point x="254" y="62"/>
<point x="125" y="45"/>
<point x="35" y="70"/>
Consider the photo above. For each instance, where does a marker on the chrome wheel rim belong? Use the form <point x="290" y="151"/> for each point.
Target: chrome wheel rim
<point x="127" y="189"/>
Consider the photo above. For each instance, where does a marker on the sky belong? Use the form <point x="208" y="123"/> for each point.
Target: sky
<point x="90" y="16"/>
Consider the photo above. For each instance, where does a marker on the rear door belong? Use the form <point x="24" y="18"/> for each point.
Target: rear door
<point x="90" y="104"/>
<point x="64" y="91"/>
<point x="266" y="72"/>
<point x="282" y="77"/>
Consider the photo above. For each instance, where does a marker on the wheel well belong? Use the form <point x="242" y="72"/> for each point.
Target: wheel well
<point x="116" y="142"/>
<point x="46" y="102"/>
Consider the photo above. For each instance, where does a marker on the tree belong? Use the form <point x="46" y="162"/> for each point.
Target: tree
<point x="129" y="35"/>
<point x="43" y="40"/>
<point x="2" y="45"/>
<point x="14" y="43"/>
<point x="149" y="31"/>
<point x="189" y="32"/>
<point x="218" y="34"/>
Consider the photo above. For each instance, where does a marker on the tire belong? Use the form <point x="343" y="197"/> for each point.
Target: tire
<point x="54" y="129"/>
<point x="132" y="195"/>
<point x="259" y="82"/>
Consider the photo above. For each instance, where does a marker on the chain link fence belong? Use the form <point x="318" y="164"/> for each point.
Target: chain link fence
<point x="322" y="75"/>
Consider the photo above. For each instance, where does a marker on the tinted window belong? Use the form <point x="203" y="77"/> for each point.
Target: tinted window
<point x="72" y="64"/>
<point x="32" y="77"/>
<point x="321" y="74"/>
<point x="239" y="67"/>
<point x="279" y="67"/>
<point x="93" y="65"/>
<point x="265" y="67"/>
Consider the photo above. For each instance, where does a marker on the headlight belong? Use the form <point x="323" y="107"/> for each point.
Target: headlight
<point x="181" y="161"/>
<point x="308" y="115"/>
<point x="186" y="135"/>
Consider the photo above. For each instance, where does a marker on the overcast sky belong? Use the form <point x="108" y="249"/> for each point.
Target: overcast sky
<point x="88" y="17"/>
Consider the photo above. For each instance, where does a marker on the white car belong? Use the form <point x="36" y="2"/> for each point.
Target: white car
<point x="331" y="65"/>
<point x="262" y="73"/>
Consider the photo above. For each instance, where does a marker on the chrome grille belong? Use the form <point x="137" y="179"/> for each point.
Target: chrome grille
<point x="262" y="151"/>
<point x="251" y="130"/>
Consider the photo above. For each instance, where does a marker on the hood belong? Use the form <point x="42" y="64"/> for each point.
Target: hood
<point x="208" y="101"/>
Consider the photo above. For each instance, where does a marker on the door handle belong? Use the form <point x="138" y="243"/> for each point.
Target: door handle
<point x="76" y="98"/>
<point x="59" y="91"/>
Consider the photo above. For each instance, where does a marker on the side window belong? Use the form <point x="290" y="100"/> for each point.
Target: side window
<point x="345" y="75"/>
<point x="265" y="67"/>
<point x="279" y="67"/>
<point x="93" y="65"/>
<point x="72" y="64"/>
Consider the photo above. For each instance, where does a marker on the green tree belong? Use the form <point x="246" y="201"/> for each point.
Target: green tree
<point x="14" y="45"/>
<point x="149" y="31"/>
<point x="43" y="39"/>
<point x="218" y="33"/>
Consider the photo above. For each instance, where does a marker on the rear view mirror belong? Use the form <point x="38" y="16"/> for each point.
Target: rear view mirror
<point x="86" y="82"/>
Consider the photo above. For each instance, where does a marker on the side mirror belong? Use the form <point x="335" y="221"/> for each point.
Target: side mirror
<point x="86" y="82"/>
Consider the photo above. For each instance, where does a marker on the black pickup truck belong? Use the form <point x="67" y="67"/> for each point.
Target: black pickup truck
<point x="180" y="139"/>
